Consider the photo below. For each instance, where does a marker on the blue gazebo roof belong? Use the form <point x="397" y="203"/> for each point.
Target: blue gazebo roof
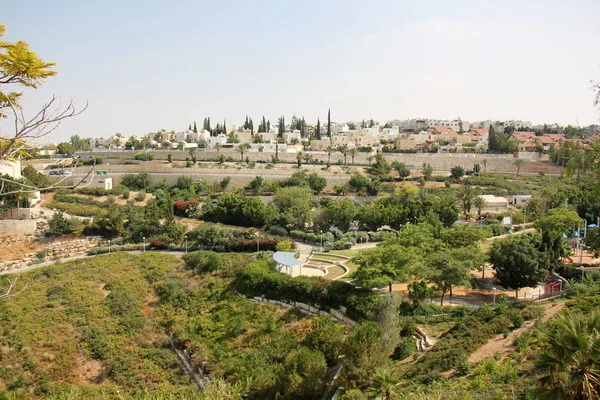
<point x="286" y="258"/>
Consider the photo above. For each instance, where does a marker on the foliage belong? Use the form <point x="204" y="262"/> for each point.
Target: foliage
<point x="237" y="209"/>
<point x="457" y="172"/>
<point x="517" y="261"/>
<point x="60" y="225"/>
<point x="569" y="356"/>
<point x="65" y="148"/>
<point x="294" y="204"/>
<point x="381" y="266"/>
<point x="136" y="181"/>
<point x="364" y="354"/>
<point x="144" y="157"/>
<point x="558" y="220"/>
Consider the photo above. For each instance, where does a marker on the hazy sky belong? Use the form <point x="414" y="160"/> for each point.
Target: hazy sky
<point x="146" y="65"/>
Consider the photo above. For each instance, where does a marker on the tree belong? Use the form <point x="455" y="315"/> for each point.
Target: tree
<point x="479" y="203"/>
<point x="517" y="262"/>
<point x="484" y="162"/>
<point x="388" y="317"/>
<point x="22" y="68"/>
<point x="450" y="268"/>
<point x="294" y="204"/>
<point x="344" y="150"/>
<point x="381" y="167"/>
<point x="519" y="163"/>
<point x="558" y="221"/>
<point x="242" y="148"/>
<point x="427" y="171"/>
<point x="383" y="266"/>
<point x="592" y="240"/>
<point x="466" y="194"/>
<point x="218" y="147"/>
<point x="281" y="126"/>
<point x="457" y="172"/>
<point x="353" y="151"/>
<point x="364" y="353"/>
<point x="402" y="169"/>
<point x="329" y="123"/>
<point x="318" y="130"/>
<point x="568" y="359"/>
<point x="340" y="214"/>
<point x="80" y="144"/>
<point x="384" y="386"/>
<point x="329" y="151"/>
<point x="316" y="182"/>
<point x="65" y="148"/>
<point x="419" y="291"/>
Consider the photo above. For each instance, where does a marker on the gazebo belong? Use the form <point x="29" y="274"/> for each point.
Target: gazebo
<point x="287" y="263"/>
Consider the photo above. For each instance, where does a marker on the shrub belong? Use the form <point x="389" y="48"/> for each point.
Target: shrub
<point x="126" y="194"/>
<point x="405" y="348"/>
<point x="141" y="196"/>
<point x="144" y="156"/>
<point x="278" y="230"/>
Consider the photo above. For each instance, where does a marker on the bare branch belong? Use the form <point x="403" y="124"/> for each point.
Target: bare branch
<point x="8" y="293"/>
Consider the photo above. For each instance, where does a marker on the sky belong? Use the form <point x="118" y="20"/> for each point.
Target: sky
<point x="148" y="65"/>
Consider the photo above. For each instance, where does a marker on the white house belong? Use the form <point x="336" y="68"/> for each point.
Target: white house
<point x="11" y="168"/>
<point x="494" y="203"/>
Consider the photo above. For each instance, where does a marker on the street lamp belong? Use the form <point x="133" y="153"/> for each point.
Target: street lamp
<point x="257" y="244"/>
<point x="494" y="295"/>
<point x="186" y="245"/>
<point x="321" y="240"/>
<point x="144" y="243"/>
<point x="108" y="246"/>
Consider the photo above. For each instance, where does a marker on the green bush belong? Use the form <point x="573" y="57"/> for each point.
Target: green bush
<point x="141" y="196"/>
<point x="405" y="348"/>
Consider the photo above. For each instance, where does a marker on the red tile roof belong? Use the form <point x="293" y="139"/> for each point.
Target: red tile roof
<point x="479" y="131"/>
<point x="441" y="129"/>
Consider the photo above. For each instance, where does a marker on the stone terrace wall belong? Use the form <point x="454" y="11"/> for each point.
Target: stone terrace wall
<point x="54" y="250"/>
<point x="337" y="315"/>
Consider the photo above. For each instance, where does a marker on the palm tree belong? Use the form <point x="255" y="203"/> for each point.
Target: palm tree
<point x="484" y="164"/>
<point x="353" y="152"/>
<point x="329" y="151"/>
<point x="519" y="163"/>
<point x="568" y="360"/>
<point x="479" y="203"/>
<point x="299" y="158"/>
<point x="218" y="147"/>
<point x="466" y="194"/>
<point x="344" y="150"/>
<point x="242" y="149"/>
<point x="384" y="386"/>
<point x="369" y="159"/>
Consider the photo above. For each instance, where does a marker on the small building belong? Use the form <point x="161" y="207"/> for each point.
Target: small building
<point x="494" y="203"/>
<point x="287" y="263"/>
<point x="521" y="200"/>
<point x="94" y="181"/>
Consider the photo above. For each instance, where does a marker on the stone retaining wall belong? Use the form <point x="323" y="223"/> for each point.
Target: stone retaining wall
<point x="53" y="251"/>
<point x="337" y="315"/>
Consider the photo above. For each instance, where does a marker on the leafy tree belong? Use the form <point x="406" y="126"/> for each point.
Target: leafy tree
<point x="558" y="220"/>
<point x="402" y="169"/>
<point x="359" y="182"/>
<point x="237" y="209"/>
<point x="385" y="265"/>
<point x="169" y="158"/>
<point x="256" y="185"/>
<point x="111" y="223"/>
<point x="80" y="144"/>
<point x="285" y="245"/>
<point x="303" y="375"/>
<point x="58" y="224"/>
<point x="364" y="353"/>
<point x="339" y="213"/>
<point x="568" y="360"/>
<point x="344" y="150"/>
<point x="450" y="268"/>
<point x="592" y="240"/>
<point x="294" y="204"/>
<point x="325" y="336"/>
<point x="381" y="167"/>
<point x="139" y="181"/>
<point x="65" y="148"/>
<point x="316" y="182"/>
<point x="457" y="172"/>
<point x="517" y="262"/>
<point x="427" y="171"/>
<point x="419" y="291"/>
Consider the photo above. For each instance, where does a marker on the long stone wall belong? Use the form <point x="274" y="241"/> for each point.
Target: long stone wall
<point x="18" y="227"/>
<point x="442" y="162"/>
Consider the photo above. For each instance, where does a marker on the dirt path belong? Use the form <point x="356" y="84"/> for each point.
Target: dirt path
<point x="504" y="346"/>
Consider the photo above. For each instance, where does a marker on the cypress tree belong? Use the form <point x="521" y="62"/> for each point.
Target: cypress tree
<point x="269" y="126"/>
<point x="224" y="127"/>
<point x="189" y="127"/>
<point x="492" y="140"/>
<point x="329" y="122"/>
<point x="318" y="130"/>
<point x="195" y="127"/>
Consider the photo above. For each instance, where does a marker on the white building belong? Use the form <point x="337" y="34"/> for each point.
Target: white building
<point x="11" y="168"/>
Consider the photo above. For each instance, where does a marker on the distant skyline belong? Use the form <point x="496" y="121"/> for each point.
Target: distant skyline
<point x="147" y="65"/>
